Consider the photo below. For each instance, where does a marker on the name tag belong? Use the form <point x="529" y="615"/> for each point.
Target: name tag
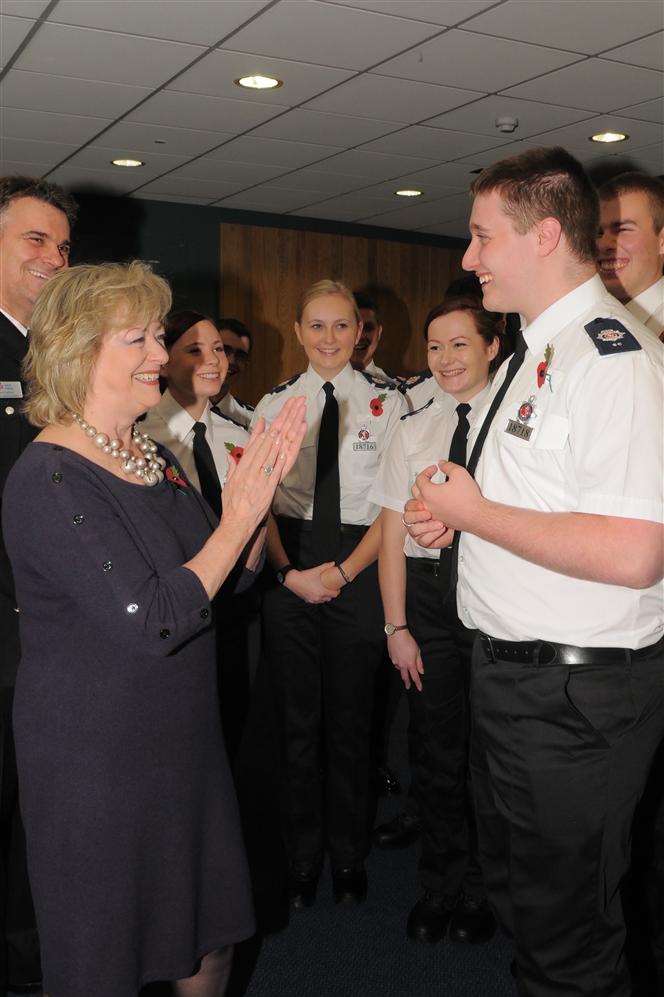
<point x="518" y="429"/>
<point x="371" y="445"/>
<point x="11" y="389"/>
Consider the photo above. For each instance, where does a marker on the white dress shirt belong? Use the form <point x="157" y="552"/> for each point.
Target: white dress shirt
<point x="421" y="391"/>
<point x="239" y="411"/>
<point x="595" y="446"/>
<point x="422" y="438"/>
<point x="365" y="431"/>
<point x="648" y="307"/>
<point x="380" y="375"/>
<point x="170" y="424"/>
<point x="14" y="321"/>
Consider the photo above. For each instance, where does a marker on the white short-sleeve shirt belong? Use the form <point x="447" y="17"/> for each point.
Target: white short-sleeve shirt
<point x="422" y="438"/>
<point x="369" y="411"/>
<point x="648" y="307"/>
<point x="233" y="408"/>
<point x="585" y="435"/>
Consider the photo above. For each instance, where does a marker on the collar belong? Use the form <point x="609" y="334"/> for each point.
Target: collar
<point x="645" y="304"/>
<point x="343" y="382"/>
<point x="14" y="321"/>
<point x="178" y="420"/>
<point x="563" y="311"/>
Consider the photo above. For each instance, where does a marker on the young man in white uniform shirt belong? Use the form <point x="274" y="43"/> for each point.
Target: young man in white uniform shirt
<point x="560" y="569"/>
<point x="630" y="245"/>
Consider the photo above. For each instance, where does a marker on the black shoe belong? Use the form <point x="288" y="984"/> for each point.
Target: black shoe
<point x="399" y="832"/>
<point x="349" y="885"/>
<point x="302" y="888"/>
<point x="387" y="783"/>
<point x="428" y="920"/>
<point x="472" y="921"/>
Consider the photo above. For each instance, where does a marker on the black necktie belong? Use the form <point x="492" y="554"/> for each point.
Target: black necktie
<point x="326" y="519"/>
<point x="206" y="470"/>
<point x="457" y="456"/>
<point x="517" y="358"/>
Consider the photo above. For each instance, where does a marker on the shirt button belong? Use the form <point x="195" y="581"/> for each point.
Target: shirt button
<point x="164" y="634"/>
<point x="56" y="477"/>
<point x="107" y="565"/>
<point x="9" y="409"/>
<point x="78" y="519"/>
<point x="461" y="557"/>
<point x="205" y="613"/>
<point x="132" y="607"/>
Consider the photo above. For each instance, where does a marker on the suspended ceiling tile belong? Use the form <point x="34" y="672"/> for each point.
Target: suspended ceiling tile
<point x="457" y="229"/>
<point x="216" y="114"/>
<point x="204" y="22"/>
<point x="347" y="207"/>
<point x="595" y="84"/>
<point x="577" y="137"/>
<point x="177" y="184"/>
<point x="171" y="198"/>
<point x="650" y="110"/>
<point x="478" y="62"/>
<point x="270" y="198"/>
<point x="25" y="8"/>
<point x="446" y="175"/>
<point x="415" y="215"/>
<point x="648" y="52"/>
<point x="216" y="73"/>
<point x="12" y="32"/>
<point x="443" y="12"/>
<point x="373" y="165"/>
<point x="159" y="139"/>
<point x="70" y="128"/>
<point x="102" y="181"/>
<point x="44" y="154"/>
<point x="532" y="116"/>
<point x="242" y="173"/>
<point x="583" y="26"/>
<point x="435" y="143"/>
<point x="42" y="92"/>
<point x="312" y="178"/>
<point x="271" y="152"/>
<point x="430" y="191"/>
<point x="329" y="35"/>
<point x="96" y="158"/>
<point x="391" y="99"/>
<point x="104" y="55"/>
<point x="338" y="130"/>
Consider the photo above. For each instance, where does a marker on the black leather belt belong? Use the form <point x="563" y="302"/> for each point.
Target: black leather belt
<point x="545" y="652"/>
<point x="428" y="565"/>
<point x="304" y="526"/>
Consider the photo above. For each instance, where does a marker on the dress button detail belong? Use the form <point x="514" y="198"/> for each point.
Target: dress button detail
<point x="132" y="607"/>
<point x="107" y="565"/>
<point x="205" y="613"/>
<point x="9" y="410"/>
<point x="164" y="634"/>
<point x="56" y="477"/>
<point x="78" y="519"/>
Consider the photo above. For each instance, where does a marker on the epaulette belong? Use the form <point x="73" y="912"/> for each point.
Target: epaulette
<point x="284" y="385"/>
<point x="377" y="382"/>
<point x="416" y="379"/>
<point x="245" y="405"/>
<point x="222" y="415"/>
<point x="610" y="336"/>
<point x="407" y="415"/>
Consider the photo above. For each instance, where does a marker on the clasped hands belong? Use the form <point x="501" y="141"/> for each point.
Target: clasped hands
<point x="437" y="510"/>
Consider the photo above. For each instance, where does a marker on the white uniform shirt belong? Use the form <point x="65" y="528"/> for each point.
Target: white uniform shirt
<point x="380" y="375"/>
<point x="422" y="438"/>
<point x="369" y="412"/>
<point x="236" y="410"/>
<point x="648" y="307"/>
<point x="596" y="447"/>
<point x="170" y="424"/>
<point x="422" y="390"/>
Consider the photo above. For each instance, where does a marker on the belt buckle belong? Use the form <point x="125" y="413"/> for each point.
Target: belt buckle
<point x="489" y="647"/>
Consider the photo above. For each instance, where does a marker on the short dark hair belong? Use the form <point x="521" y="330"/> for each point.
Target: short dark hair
<point x="239" y="328"/>
<point x="177" y="323"/>
<point x="15" y="187"/>
<point x="490" y="325"/>
<point x="546" y="183"/>
<point x="363" y="300"/>
<point x="634" y="182"/>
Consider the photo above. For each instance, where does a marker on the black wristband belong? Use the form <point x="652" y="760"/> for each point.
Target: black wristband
<point x="282" y="572"/>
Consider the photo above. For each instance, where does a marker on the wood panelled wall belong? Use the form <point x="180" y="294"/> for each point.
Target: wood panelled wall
<point x="264" y="271"/>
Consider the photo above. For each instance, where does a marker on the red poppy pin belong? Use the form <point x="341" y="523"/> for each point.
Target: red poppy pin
<point x="234" y="450"/>
<point x="176" y="477"/>
<point x="376" y="404"/>
<point x="543" y="367"/>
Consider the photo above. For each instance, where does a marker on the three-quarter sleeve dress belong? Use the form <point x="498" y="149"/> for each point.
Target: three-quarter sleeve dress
<point x="134" y="846"/>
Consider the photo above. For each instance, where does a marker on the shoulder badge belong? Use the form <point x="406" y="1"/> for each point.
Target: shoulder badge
<point x="227" y="418"/>
<point x="377" y="382"/>
<point x="407" y="415"/>
<point x="610" y="336"/>
<point x="246" y="405"/>
<point x="417" y="379"/>
<point x="285" y="384"/>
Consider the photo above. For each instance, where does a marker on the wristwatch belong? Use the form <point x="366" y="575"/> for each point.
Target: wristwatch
<point x="282" y="572"/>
<point x="390" y="628"/>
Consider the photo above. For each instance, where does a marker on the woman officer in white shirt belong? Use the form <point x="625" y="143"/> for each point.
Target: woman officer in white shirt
<point x="322" y="622"/>
<point x="426" y="641"/>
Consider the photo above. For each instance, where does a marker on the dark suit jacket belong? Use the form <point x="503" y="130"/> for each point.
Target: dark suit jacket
<point x="15" y="434"/>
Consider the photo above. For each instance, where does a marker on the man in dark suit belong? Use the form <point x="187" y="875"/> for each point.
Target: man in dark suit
<point x="35" y="219"/>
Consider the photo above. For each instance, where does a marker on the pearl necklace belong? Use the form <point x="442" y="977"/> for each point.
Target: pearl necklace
<point x="148" y="467"/>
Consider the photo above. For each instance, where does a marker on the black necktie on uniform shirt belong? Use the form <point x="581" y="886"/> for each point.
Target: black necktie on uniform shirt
<point x="517" y="358"/>
<point x="457" y="456"/>
<point x="206" y="470"/>
<point x="326" y="519"/>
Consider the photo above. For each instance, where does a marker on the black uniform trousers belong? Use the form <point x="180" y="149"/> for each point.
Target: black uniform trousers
<point x="438" y="740"/>
<point x="322" y="661"/>
<point x="560" y="756"/>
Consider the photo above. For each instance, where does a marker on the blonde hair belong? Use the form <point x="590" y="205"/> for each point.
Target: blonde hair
<point x="72" y="314"/>
<point x="322" y="287"/>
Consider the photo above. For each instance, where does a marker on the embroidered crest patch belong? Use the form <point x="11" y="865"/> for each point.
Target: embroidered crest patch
<point x="610" y="336"/>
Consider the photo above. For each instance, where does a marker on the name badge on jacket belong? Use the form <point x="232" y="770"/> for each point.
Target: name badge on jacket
<point x="11" y="389"/>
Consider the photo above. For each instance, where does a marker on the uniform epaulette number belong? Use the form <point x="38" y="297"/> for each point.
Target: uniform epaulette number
<point x="610" y="336"/>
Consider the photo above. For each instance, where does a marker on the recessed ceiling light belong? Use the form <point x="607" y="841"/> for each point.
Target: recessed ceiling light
<point x="408" y="193"/>
<point x="127" y="162"/>
<point x="609" y="137"/>
<point x="259" y="82"/>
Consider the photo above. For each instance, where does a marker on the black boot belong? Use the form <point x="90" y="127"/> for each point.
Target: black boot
<point x="428" y="920"/>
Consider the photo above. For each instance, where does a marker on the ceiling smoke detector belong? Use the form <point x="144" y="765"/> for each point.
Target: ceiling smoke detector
<point x="507" y="124"/>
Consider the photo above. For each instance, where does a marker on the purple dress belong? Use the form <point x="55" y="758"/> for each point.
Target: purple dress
<point x="134" y="846"/>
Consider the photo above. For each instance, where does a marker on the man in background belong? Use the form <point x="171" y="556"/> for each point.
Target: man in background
<point x="367" y="344"/>
<point x="630" y="245"/>
<point x="35" y="219"/>
<point x="237" y="342"/>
